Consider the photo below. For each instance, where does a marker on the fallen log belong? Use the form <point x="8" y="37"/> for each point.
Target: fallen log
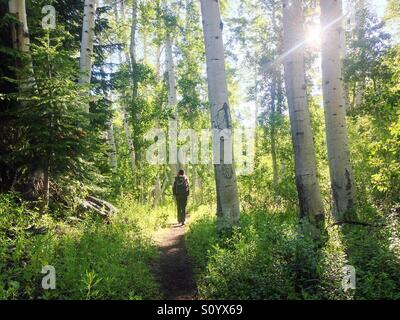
<point x="104" y="203"/>
<point x="99" y="206"/>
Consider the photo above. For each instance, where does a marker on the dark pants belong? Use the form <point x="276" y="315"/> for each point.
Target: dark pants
<point x="181" y="202"/>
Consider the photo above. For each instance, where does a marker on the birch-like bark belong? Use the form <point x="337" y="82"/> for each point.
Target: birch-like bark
<point x="256" y="108"/>
<point x="274" y="100"/>
<point x="228" y="210"/>
<point x="132" y="53"/>
<point x="159" y="185"/>
<point x="20" y="37"/>
<point x="335" y="111"/>
<point x="120" y="17"/>
<point x="158" y="59"/>
<point x="113" y="148"/>
<point x="360" y="24"/>
<point x="145" y="45"/>
<point x="169" y="62"/>
<point x="132" y="48"/>
<point x="85" y="62"/>
<point x="112" y="153"/>
<point x="310" y="201"/>
<point x="172" y="102"/>
<point x="38" y="184"/>
<point x="273" y="130"/>
<point x="128" y="137"/>
<point x="343" y="54"/>
<point x="19" y="32"/>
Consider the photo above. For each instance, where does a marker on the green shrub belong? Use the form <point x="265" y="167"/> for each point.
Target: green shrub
<point x="92" y="259"/>
<point x="268" y="258"/>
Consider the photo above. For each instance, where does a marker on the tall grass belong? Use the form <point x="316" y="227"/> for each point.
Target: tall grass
<point x="93" y="259"/>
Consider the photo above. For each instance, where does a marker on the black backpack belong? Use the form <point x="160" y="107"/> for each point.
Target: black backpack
<point x="181" y="185"/>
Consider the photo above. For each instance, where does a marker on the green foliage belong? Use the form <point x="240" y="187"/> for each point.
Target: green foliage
<point x="258" y="190"/>
<point x="268" y="258"/>
<point x="93" y="260"/>
<point x="43" y="126"/>
<point x="55" y="133"/>
<point x="374" y="134"/>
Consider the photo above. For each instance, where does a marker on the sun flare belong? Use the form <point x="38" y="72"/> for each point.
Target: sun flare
<point x="313" y="35"/>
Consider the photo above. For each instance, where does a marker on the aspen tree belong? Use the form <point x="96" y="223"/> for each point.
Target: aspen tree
<point x="335" y="110"/>
<point x="85" y="62"/>
<point x="228" y="210"/>
<point x="310" y="201"/>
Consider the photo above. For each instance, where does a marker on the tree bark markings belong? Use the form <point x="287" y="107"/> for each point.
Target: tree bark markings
<point x="308" y="189"/>
<point x="228" y="210"/>
<point x="335" y="112"/>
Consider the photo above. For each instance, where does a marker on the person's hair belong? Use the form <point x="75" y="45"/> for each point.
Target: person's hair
<point x="181" y="172"/>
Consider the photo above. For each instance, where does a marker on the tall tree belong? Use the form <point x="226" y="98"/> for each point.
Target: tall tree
<point x="19" y="32"/>
<point x="113" y="148"/>
<point x="38" y="180"/>
<point x="342" y="184"/>
<point x="275" y="92"/>
<point x="311" y="207"/>
<point x="132" y="47"/>
<point x="170" y="22"/>
<point x="228" y="210"/>
<point x="119" y="12"/>
<point x="89" y="18"/>
<point x="172" y="101"/>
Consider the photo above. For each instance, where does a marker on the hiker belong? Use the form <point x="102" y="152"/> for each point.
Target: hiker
<point x="181" y="193"/>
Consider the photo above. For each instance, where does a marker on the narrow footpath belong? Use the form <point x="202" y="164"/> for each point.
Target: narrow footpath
<point x="173" y="270"/>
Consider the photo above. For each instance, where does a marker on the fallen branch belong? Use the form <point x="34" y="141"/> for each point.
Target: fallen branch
<point x="99" y="206"/>
<point x="103" y="203"/>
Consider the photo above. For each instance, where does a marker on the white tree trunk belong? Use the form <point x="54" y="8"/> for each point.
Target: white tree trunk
<point x="343" y="55"/>
<point x="360" y="25"/>
<point x="38" y="184"/>
<point x="128" y="137"/>
<point x="85" y="62"/>
<point x="169" y="62"/>
<point x="113" y="148"/>
<point x="132" y="48"/>
<point x="172" y="100"/>
<point x="256" y="107"/>
<point x="19" y="33"/>
<point x="158" y="60"/>
<point x="120" y="17"/>
<point x="159" y="186"/>
<point x="308" y="190"/>
<point x="132" y="52"/>
<point x="145" y="46"/>
<point x="228" y="209"/>
<point x="335" y="111"/>
<point x="20" y="37"/>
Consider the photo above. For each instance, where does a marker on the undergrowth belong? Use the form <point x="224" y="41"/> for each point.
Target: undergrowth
<point x="266" y="257"/>
<point x="93" y="259"/>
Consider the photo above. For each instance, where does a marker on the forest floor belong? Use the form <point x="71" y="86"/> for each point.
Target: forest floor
<point x="173" y="269"/>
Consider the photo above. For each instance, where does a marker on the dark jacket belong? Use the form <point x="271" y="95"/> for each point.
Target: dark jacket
<point x="174" y="188"/>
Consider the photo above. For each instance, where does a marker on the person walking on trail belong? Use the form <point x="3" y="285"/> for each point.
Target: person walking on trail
<point x="181" y="193"/>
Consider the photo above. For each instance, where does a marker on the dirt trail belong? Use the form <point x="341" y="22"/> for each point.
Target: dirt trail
<point x="174" y="269"/>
